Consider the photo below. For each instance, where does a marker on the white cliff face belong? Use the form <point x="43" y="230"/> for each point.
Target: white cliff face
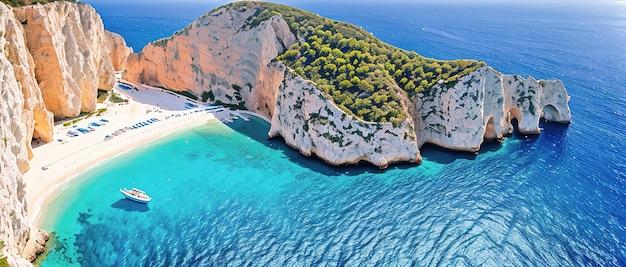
<point x="554" y="99"/>
<point x="528" y="100"/>
<point x="455" y="116"/>
<point x="218" y="53"/>
<point x="38" y="122"/>
<point x="481" y="105"/>
<point x="46" y="53"/>
<point x="68" y="44"/>
<point x="14" y="133"/>
<point x="313" y="124"/>
<point x="13" y="221"/>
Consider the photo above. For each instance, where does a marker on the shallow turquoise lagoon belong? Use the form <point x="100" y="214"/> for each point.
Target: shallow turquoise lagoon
<point x="224" y="195"/>
<point x="207" y="185"/>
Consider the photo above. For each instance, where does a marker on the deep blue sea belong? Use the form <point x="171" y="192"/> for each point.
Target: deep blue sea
<point x="226" y="196"/>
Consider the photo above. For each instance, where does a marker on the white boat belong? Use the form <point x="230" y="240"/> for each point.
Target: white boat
<point x="244" y="117"/>
<point x="136" y="195"/>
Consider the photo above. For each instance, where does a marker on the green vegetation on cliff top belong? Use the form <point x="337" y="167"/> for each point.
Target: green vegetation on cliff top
<point x="17" y="3"/>
<point x="361" y="73"/>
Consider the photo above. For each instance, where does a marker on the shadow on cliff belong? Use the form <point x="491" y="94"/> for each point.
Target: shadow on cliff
<point x="429" y="152"/>
<point x="553" y="134"/>
<point x="441" y="155"/>
<point x="128" y="205"/>
<point x="258" y="129"/>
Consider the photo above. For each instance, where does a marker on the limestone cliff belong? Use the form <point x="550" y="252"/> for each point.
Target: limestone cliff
<point x="217" y="54"/>
<point x="312" y="123"/>
<point x="46" y="53"/>
<point x="228" y="55"/>
<point x="13" y="220"/>
<point x="86" y="51"/>
<point x="481" y="105"/>
<point x="16" y="126"/>
<point x="71" y="55"/>
<point x="38" y="122"/>
<point x="118" y="51"/>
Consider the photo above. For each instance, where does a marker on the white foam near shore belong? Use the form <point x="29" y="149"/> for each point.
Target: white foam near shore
<point x="158" y="112"/>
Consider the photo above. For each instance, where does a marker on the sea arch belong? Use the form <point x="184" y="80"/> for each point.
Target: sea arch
<point x="490" y="130"/>
<point x="514" y="113"/>
<point x="551" y="113"/>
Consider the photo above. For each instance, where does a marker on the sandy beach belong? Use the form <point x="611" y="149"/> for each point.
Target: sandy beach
<point x="57" y="162"/>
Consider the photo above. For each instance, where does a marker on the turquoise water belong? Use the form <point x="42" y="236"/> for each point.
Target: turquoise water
<point x="215" y="181"/>
<point x="226" y="196"/>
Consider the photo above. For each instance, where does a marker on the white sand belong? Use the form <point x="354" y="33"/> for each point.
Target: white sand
<point x="58" y="162"/>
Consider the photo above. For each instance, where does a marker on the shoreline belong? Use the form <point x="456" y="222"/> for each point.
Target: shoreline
<point x="59" y="162"/>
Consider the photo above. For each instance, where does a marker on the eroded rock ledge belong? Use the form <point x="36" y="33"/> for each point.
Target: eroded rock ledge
<point x="481" y="106"/>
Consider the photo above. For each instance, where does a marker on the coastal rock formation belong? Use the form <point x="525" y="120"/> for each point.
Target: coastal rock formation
<point x="51" y="56"/>
<point x="37" y="120"/>
<point x="217" y="53"/>
<point x="223" y="54"/>
<point x="69" y="48"/>
<point x="313" y="124"/>
<point x="17" y="122"/>
<point x="36" y="244"/>
<point x="481" y="106"/>
<point x="14" y="224"/>
<point x="228" y="55"/>
<point x="118" y="51"/>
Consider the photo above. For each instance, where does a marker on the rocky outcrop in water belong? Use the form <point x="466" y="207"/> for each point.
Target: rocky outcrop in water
<point x="481" y="106"/>
<point x="53" y="57"/>
<point x="225" y="57"/>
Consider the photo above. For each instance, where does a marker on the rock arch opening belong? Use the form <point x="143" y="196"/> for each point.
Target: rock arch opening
<point x="490" y="130"/>
<point x="515" y="116"/>
<point x="550" y="113"/>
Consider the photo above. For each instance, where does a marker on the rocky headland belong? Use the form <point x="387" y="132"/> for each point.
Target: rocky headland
<point x="230" y="54"/>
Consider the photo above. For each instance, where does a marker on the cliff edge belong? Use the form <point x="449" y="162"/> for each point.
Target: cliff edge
<point x="483" y="105"/>
<point x="53" y="58"/>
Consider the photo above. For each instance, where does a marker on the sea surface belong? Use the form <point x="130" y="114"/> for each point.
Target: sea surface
<point x="223" y="195"/>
